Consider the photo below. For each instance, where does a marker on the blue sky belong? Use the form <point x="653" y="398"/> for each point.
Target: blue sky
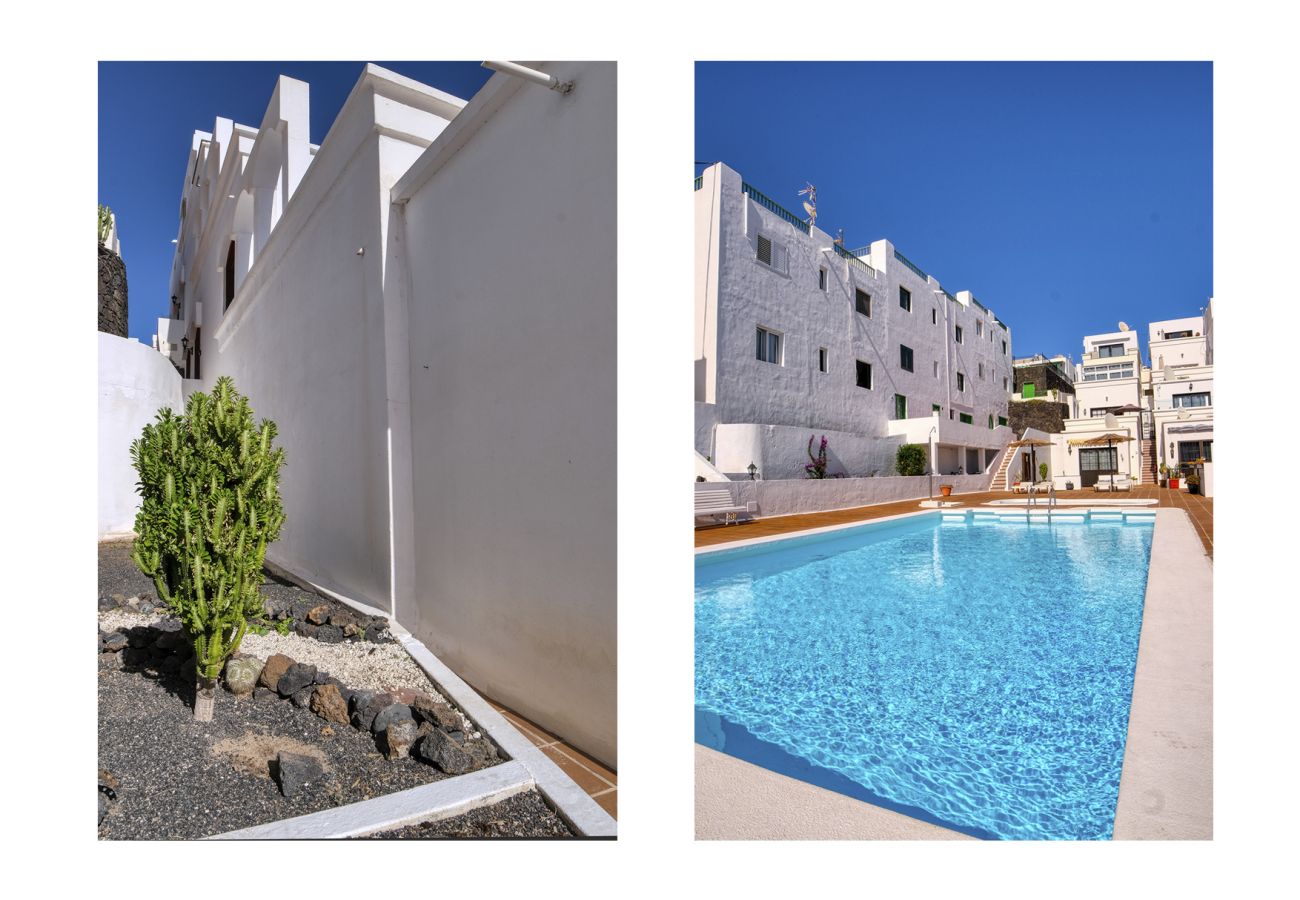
<point x="147" y="115"/>
<point x="1066" y="196"/>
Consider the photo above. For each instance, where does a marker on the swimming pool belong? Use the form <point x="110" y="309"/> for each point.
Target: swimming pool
<point x="971" y="670"/>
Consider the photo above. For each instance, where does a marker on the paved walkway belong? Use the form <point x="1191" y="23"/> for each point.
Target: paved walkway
<point x="1199" y="509"/>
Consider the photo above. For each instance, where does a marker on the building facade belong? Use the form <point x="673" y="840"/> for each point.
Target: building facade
<point x="798" y="337"/>
<point x="356" y="292"/>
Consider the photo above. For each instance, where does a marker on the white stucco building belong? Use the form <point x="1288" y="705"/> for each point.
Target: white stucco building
<point x="1165" y="409"/>
<point x="797" y="337"/>
<point x="425" y="304"/>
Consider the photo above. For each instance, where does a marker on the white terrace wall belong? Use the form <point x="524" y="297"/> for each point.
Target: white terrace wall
<point x="135" y="381"/>
<point x="789" y="497"/>
<point x="511" y="228"/>
<point x="781" y="451"/>
<point x="304" y="338"/>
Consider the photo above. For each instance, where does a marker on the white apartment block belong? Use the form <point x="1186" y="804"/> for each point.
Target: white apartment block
<point x="1182" y="388"/>
<point x="797" y="337"/>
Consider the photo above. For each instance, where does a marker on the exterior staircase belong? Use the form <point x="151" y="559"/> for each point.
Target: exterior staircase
<point x="1000" y="478"/>
<point x="1148" y="462"/>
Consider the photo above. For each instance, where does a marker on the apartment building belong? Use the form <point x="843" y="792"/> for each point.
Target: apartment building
<point x="1182" y="388"/>
<point x="797" y="336"/>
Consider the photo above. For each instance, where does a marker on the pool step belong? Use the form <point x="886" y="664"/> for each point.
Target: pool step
<point x="1042" y="516"/>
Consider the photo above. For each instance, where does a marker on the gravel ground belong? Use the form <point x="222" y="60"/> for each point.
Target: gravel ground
<point x="177" y="778"/>
<point x="525" y="815"/>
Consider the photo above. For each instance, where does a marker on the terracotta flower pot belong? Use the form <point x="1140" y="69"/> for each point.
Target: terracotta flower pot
<point x="945" y="490"/>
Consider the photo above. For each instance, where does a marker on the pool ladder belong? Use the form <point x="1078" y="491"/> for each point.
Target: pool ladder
<point x="1031" y="498"/>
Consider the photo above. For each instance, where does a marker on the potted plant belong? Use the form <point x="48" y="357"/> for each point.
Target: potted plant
<point x="1173" y="478"/>
<point x="1193" y="482"/>
<point x="945" y="490"/>
<point x="1164" y="475"/>
<point x="1042" y="471"/>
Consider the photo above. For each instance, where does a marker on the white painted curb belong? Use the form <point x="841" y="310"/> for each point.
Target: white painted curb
<point x="429" y="802"/>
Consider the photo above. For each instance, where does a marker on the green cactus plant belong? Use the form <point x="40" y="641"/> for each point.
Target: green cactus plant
<point x="210" y="506"/>
<point x="105" y="222"/>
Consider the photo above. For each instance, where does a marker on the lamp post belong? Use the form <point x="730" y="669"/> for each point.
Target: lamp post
<point x="753" y="469"/>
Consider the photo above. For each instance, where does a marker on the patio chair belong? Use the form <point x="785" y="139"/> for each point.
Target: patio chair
<point x="1104" y="483"/>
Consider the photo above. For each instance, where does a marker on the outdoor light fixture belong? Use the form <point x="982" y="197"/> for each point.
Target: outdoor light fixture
<point x="185" y="345"/>
<point x="753" y="470"/>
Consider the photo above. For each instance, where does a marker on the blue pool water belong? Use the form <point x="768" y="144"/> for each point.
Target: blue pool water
<point x="973" y="675"/>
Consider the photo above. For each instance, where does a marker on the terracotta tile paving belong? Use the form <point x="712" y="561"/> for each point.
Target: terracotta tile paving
<point x="1199" y="509"/>
<point x="600" y="783"/>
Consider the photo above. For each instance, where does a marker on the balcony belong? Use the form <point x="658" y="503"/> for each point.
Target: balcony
<point x="951" y="432"/>
<point x="772" y="206"/>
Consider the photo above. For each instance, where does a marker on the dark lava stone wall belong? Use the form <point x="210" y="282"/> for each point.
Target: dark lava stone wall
<point x="1041" y="414"/>
<point x="1044" y="376"/>
<point x="112" y="293"/>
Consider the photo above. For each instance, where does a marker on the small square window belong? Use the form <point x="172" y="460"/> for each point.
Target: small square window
<point x="900" y="406"/>
<point x="905" y="298"/>
<point x="966" y="419"/>
<point x="979" y="329"/>
<point x="934" y="316"/>
<point x="862" y="302"/>
<point x="957" y="334"/>
<point x="769" y="346"/>
<point x="773" y="255"/>
<point x="936" y="409"/>
<point x="1002" y="420"/>
<point x="905" y="357"/>
<point x="821" y="360"/>
<point x="821" y="279"/>
<point x="961" y="381"/>
<point x="864" y="375"/>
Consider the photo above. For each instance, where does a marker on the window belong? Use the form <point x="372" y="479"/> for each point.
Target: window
<point x="821" y="360"/>
<point x="862" y="302"/>
<point x="1004" y="348"/>
<point x="981" y="371"/>
<point x="1108" y="350"/>
<point x="1174" y="335"/>
<point x="990" y="421"/>
<point x="1108" y="372"/>
<point x="772" y="254"/>
<point x="905" y="358"/>
<point x="769" y="346"/>
<point x="966" y="418"/>
<point x="1190" y="451"/>
<point x="864" y="375"/>
<point x="821" y="279"/>
<point x="1002" y="420"/>
<point x="905" y="298"/>
<point x="934" y="316"/>
<point x="1191" y="400"/>
<point x="979" y="328"/>
<point x="230" y="275"/>
<point x="936" y="409"/>
<point x="957" y="334"/>
<point x="1004" y="383"/>
<point x="936" y="368"/>
<point x="900" y="406"/>
<point x="950" y="414"/>
<point x="961" y="381"/>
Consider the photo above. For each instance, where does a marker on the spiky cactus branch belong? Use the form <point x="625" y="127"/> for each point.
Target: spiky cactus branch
<point x="210" y="505"/>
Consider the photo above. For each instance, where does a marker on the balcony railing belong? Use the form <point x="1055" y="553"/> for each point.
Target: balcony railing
<point x="853" y="258"/>
<point x="768" y="203"/>
<point x="911" y="265"/>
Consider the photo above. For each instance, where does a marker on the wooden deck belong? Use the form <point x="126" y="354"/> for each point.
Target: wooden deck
<point x="1199" y="509"/>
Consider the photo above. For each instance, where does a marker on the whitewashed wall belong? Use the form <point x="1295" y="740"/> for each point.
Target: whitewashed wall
<point x="135" y="382"/>
<point x="781" y="451"/>
<point x="790" y="497"/>
<point x="510" y="235"/>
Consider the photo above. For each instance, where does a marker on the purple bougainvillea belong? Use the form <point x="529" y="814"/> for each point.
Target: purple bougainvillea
<point x="816" y="468"/>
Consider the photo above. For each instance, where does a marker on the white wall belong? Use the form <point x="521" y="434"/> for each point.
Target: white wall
<point x="790" y="497"/>
<point x="135" y="382"/>
<point x="510" y="236"/>
<point x="781" y="451"/>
